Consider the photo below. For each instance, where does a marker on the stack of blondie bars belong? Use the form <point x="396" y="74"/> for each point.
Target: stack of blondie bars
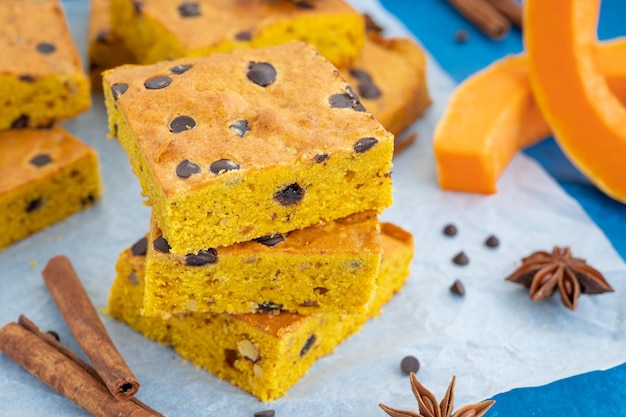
<point x="46" y="173"/>
<point x="266" y="175"/>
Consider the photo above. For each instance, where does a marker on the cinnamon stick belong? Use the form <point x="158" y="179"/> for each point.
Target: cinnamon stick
<point x="36" y="352"/>
<point x="510" y="9"/>
<point x="404" y="142"/>
<point x="84" y="323"/>
<point x="482" y="14"/>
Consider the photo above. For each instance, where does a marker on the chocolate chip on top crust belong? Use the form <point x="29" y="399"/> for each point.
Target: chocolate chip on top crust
<point x="161" y="244"/>
<point x="180" y="69"/>
<point x="290" y="195"/>
<point x="320" y="157"/>
<point x="261" y="73"/>
<point x="140" y="247"/>
<point x="208" y="256"/>
<point x="304" y="4"/>
<point x="223" y="165"/>
<point x="40" y="160"/>
<point x="189" y="9"/>
<point x="347" y="100"/>
<point x="118" y="89"/>
<point x="45" y="48"/>
<point x="367" y="88"/>
<point x="158" y="82"/>
<point x="364" y="144"/>
<point x="186" y="169"/>
<point x="182" y="123"/>
<point x="270" y="241"/>
<point x="243" y="36"/>
<point x="240" y="127"/>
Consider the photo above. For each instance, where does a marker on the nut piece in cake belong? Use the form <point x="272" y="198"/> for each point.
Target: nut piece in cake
<point x="262" y="353"/>
<point x="45" y="175"/>
<point x="155" y="30"/>
<point x="233" y="147"/>
<point x="41" y="75"/>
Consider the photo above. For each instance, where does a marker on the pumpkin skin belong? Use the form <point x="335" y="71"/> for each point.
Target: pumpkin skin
<point x="493" y="114"/>
<point x="587" y="119"/>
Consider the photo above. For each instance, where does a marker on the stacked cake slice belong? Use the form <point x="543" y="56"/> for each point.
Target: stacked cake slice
<point x="265" y="174"/>
<point x="46" y="174"/>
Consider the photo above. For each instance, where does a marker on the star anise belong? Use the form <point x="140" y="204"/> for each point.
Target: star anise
<point x="428" y="404"/>
<point x="544" y="272"/>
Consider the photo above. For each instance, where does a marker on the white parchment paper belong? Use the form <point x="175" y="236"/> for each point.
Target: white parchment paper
<point x="493" y="339"/>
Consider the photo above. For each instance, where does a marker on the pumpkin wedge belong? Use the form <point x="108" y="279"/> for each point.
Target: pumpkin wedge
<point x="493" y="114"/>
<point x="588" y="121"/>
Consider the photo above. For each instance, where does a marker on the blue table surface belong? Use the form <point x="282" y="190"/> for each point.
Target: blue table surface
<point x="435" y="23"/>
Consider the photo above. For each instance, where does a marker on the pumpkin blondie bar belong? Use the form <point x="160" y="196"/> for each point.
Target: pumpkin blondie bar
<point x="41" y="76"/>
<point x="328" y="267"/>
<point x="156" y="30"/>
<point x="45" y="175"/>
<point x="233" y="147"/>
<point x="262" y="353"/>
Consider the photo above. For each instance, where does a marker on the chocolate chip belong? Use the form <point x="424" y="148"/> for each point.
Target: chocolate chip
<point x="243" y="36"/>
<point x="223" y="165"/>
<point x="268" y="306"/>
<point x="208" y="256"/>
<point x="265" y="413"/>
<point x="450" y="230"/>
<point x="460" y="259"/>
<point x="270" y="240"/>
<point x="34" y="204"/>
<point x="320" y="157"/>
<point x="138" y="7"/>
<point x="457" y="288"/>
<point x="290" y="195"/>
<point x="304" y="4"/>
<point x="461" y="36"/>
<point x="45" y="48"/>
<point x="182" y="123"/>
<point x="27" y="78"/>
<point x="161" y="245"/>
<point x="409" y="364"/>
<point x="189" y="9"/>
<point x="159" y="82"/>
<point x="186" y="169"/>
<point x="349" y="99"/>
<point x="492" y="242"/>
<point x="307" y="345"/>
<point x="364" y="144"/>
<point x="180" y="69"/>
<point x="371" y="25"/>
<point x="103" y="36"/>
<point x="118" y="89"/>
<point x="40" y="160"/>
<point x="261" y="73"/>
<point x="367" y="88"/>
<point x="240" y="127"/>
<point x="89" y="199"/>
<point x="231" y="356"/>
<point x="54" y="334"/>
<point x="140" y="247"/>
<point x="21" y="122"/>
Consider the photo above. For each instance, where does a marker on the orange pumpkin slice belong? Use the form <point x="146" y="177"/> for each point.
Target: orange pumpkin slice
<point x="588" y="121"/>
<point x="493" y="114"/>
